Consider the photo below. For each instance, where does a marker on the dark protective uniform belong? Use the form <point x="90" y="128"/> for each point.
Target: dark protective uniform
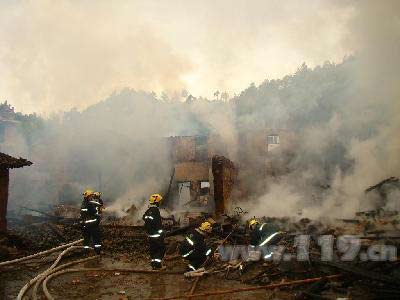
<point x="156" y="235"/>
<point x="262" y="236"/>
<point x="90" y="219"/>
<point x="194" y="249"/>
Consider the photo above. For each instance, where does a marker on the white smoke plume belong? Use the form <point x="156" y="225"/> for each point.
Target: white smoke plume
<point x="366" y="124"/>
<point x="345" y="115"/>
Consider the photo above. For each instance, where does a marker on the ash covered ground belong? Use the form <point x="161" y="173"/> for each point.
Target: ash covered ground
<point x="125" y="246"/>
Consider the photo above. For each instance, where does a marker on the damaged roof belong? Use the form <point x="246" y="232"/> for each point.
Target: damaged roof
<point x="10" y="162"/>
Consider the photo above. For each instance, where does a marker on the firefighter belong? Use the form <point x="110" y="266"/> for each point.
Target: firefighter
<point x="262" y="235"/>
<point x="91" y="209"/>
<point x="155" y="232"/>
<point x="194" y="248"/>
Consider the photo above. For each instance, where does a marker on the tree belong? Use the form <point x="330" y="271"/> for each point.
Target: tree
<point x="216" y="94"/>
<point x="225" y="96"/>
<point x="184" y="93"/>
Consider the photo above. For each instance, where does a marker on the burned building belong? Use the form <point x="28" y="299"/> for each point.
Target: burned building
<point x="383" y="195"/>
<point x="262" y="155"/>
<point x="203" y="178"/>
<point x="7" y="162"/>
<point x="224" y="177"/>
<point x="8" y="126"/>
<point x="262" y="147"/>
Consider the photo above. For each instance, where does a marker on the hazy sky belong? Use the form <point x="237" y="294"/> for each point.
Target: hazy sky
<point x="62" y="54"/>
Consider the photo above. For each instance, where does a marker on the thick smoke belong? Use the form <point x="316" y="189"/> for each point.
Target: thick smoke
<point x="58" y="55"/>
<point x="55" y="55"/>
<point x="118" y="146"/>
<point x="357" y="144"/>
<point x="344" y="115"/>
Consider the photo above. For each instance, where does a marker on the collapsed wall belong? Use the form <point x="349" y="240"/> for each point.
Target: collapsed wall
<point x="203" y="180"/>
<point x="205" y="177"/>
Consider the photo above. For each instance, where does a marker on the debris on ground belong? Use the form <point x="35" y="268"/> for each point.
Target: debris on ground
<point x="127" y="244"/>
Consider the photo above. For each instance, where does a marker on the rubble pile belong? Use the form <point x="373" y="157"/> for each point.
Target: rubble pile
<point x="331" y="279"/>
<point x="12" y="245"/>
<point x="123" y="239"/>
<point x="116" y="239"/>
<point x="359" y="277"/>
<point x="25" y="238"/>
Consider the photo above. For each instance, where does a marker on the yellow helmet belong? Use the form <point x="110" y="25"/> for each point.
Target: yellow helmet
<point x="206" y="227"/>
<point x="253" y="222"/>
<point x="155" y="198"/>
<point x="88" y="193"/>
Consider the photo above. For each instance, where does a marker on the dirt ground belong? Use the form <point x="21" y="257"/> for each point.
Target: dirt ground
<point x="138" y="286"/>
<point x="119" y="285"/>
<point x="126" y="248"/>
<point x="123" y="248"/>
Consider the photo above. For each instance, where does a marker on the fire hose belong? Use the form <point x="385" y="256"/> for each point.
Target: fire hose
<point x="53" y="270"/>
<point x="39" y="277"/>
<point x="10" y="262"/>
<point x="34" y="293"/>
<point x="55" y="273"/>
<point x="264" y="287"/>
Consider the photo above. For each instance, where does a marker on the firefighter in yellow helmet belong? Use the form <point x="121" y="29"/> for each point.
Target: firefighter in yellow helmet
<point x="194" y="248"/>
<point x="262" y="236"/>
<point x="90" y="218"/>
<point x="88" y="193"/>
<point x="253" y="223"/>
<point x="155" y="232"/>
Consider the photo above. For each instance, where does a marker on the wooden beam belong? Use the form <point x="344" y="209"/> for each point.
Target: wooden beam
<point x="4" y="182"/>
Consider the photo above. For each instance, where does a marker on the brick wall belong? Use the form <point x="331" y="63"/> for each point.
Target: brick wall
<point x="191" y="171"/>
<point x="224" y="173"/>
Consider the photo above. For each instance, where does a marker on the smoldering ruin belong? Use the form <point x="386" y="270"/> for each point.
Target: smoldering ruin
<point x="314" y="155"/>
